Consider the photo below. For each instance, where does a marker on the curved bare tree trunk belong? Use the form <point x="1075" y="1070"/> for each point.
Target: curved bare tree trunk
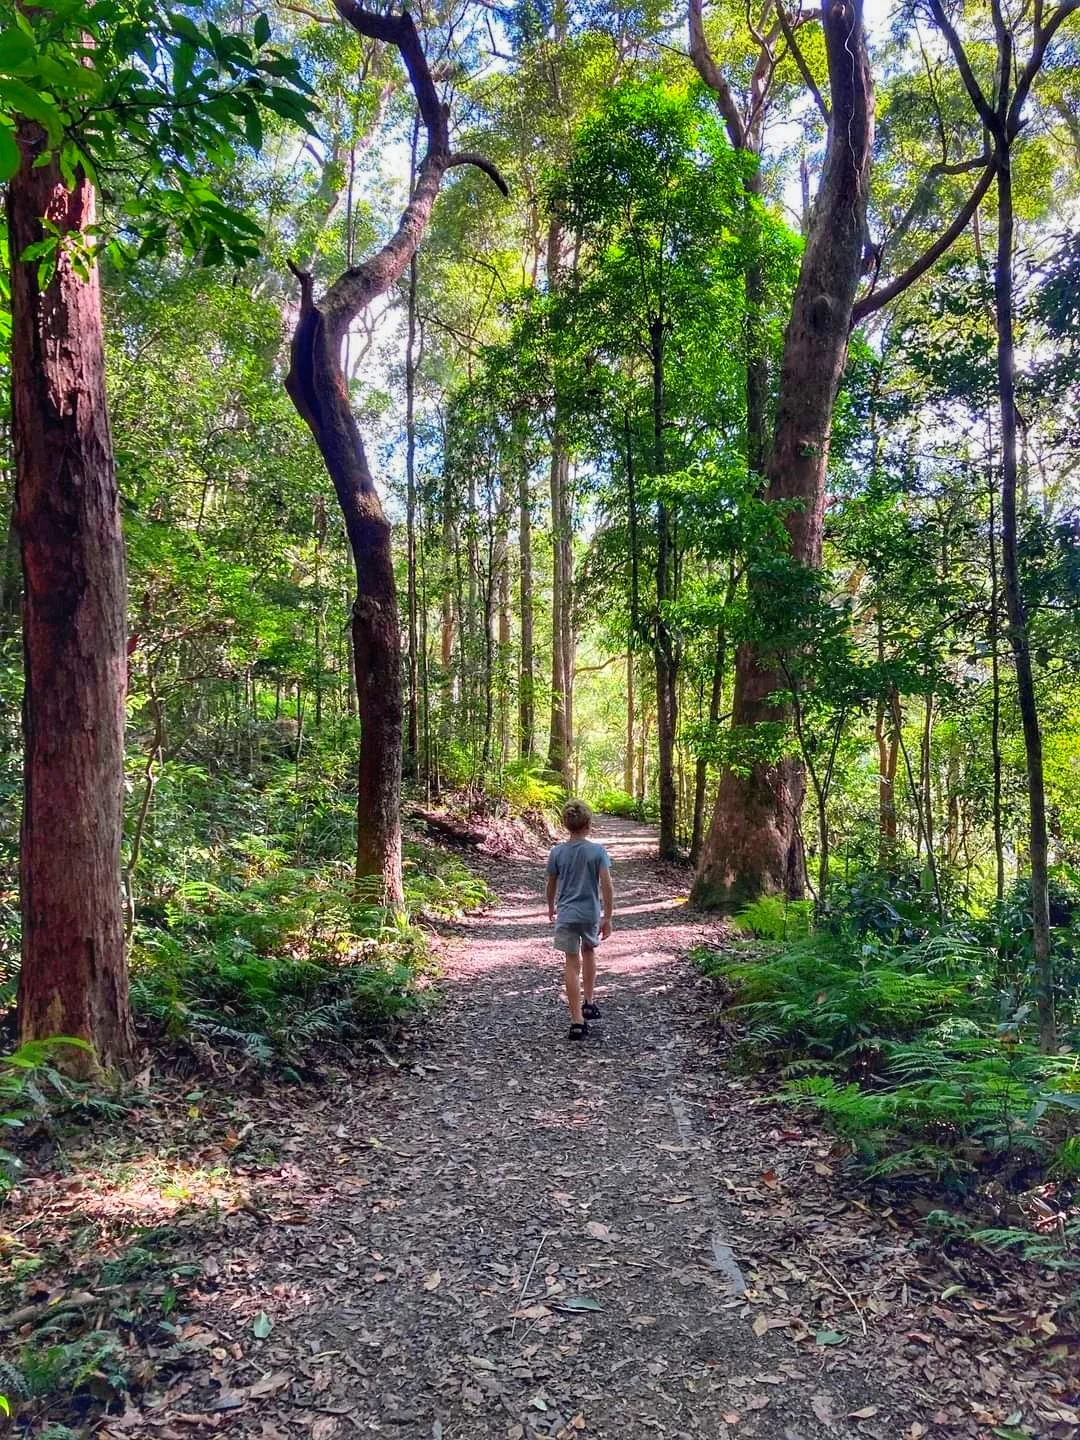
<point x="74" y="970"/>
<point x="318" y="387"/>
<point x="754" y="844"/>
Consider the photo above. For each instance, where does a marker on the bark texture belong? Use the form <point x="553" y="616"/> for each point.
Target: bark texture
<point x="74" y="972"/>
<point x="754" y="845"/>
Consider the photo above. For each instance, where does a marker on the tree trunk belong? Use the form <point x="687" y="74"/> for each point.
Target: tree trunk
<point x="318" y="389"/>
<point x="701" y="773"/>
<point x="74" y="972"/>
<point x="560" y="741"/>
<point x="753" y="846"/>
<point x="628" y="760"/>
<point x="663" y="643"/>
<point x="412" y="729"/>
<point x="995" y="704"/>
<point x="526" y="680"/>
<point x="1016" y="610"/>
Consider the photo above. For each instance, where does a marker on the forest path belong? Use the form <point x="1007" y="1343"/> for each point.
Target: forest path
<point x="520" y="1237"/>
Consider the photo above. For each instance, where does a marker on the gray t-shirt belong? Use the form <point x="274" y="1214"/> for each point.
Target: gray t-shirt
<point x="576" y="864"/>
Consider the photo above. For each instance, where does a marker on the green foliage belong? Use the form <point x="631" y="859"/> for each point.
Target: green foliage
<point x="30" y="1084"/>
<point x="528" y="790"/>
<point x="900" y="1049"/>
<point x="774" y="917"/>
<point x="618" y="802"/>
<point x="253" y="937"/>
<point x="126" y="84"/>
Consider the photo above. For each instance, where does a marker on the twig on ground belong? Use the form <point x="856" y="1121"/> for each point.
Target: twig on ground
<point x="528" y="1277"/>
<point x="837" y="1281"/>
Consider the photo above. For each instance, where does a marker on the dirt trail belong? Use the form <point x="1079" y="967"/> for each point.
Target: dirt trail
<point x="518" y="1237"/>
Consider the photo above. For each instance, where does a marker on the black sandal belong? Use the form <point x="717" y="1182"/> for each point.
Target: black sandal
<point x="578" y="1032"/>
<point x="590" y="1011"/>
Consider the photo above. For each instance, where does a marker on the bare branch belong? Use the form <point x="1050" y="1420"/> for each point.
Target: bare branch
<point x="1044" y="34"/>
<point x="926" y="186"/>
<point x="877" y="299"/>
<point x="470" y="157"/>
<point x="963" y="64"/>
<point x="714" y="77"/>
<point x="800" y="60"/>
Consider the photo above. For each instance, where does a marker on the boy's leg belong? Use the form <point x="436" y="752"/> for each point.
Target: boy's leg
<point x="573" y="987"/>
<point x="588" y="972"/>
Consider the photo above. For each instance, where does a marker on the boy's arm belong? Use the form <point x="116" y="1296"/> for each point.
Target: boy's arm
<point x="552" y="882"/>
<point x="607" y="894"/>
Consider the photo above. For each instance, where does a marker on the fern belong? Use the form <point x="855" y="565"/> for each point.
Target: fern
<point x="773" y="917"/>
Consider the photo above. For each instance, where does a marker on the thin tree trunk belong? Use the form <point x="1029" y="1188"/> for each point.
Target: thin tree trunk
<point x="628" y="760"/>
<point x="754" y="844"/>
<point x="995" y="705"/>
<point x="74" y="973"/>
<point x="412" y="728"/>
<point x="559" y="745"/>
<point x="663" y="644"/>
<point x="701" y="773"/>
<point x="526" y="680"/>
<point x="1016" y="610"/>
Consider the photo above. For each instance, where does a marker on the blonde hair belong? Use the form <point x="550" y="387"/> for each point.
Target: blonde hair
<point x="576" y="816"/>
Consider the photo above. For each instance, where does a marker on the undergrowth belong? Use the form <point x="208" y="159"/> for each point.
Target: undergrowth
<point x="915" y="1042"/>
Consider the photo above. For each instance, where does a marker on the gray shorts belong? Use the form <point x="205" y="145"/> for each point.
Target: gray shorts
<point x="571" y="937"/>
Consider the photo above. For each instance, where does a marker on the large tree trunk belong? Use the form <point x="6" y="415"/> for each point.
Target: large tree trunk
<point x="754" y="844"/>
<point x="318" y="389"/>
<point x="74" y="972"/>
<point x="1017" y="614"/>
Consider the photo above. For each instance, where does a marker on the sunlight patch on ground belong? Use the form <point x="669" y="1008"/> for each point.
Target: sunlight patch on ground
<point x="150" y="1188"/>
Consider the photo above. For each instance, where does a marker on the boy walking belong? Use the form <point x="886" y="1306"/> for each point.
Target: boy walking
<point x="578" y="880"/>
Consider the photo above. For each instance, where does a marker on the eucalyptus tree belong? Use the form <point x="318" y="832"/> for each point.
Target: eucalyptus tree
<point x="652" y="189"/>
<point x="317" y="386"/>
<point x="1021" y="47"/>
<point x="140" y="98"/>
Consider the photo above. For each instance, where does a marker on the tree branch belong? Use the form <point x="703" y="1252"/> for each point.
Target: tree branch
<point x="926" y="185"/>
<point x="877" y="299"/>
<point x="963" y="64"/>
<point x="1044" y="34"/>
<point x="711" y="74"/>
<point x="470" y="157"/>
<point x="800" y="60"/>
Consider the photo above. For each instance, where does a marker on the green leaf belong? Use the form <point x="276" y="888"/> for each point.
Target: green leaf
<point x="262" y="30"/>
<point x="580" y="1302"/>
<point x="16" y="50"/>
<point x="830" y="1337"/>
<point x="16" y="97"/>
<point x="262" y="1325"/>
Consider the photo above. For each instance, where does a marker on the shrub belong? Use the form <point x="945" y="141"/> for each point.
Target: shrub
<point x="774" y="917"/>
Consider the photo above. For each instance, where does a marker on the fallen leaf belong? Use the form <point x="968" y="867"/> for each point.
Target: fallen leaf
<point x="262" y="1325"/>
<point x="821" y="1404"/>
<point x="866" y="1413"/>
<point x="579" y="1302"/>
<point x="433" y="1281"/>
<point x="597" y="1231"/>
<point x="731" y="1417"/>
<point x="829" y="1337"/>
<point x="325" y="1427"/>
<point x="269" y="1384"/>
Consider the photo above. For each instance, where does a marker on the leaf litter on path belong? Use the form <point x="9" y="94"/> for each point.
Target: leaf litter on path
<point x="495" y="1235"/>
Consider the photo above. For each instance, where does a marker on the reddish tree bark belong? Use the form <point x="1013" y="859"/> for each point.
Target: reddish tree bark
<point x="74" y="971"/>
<point x="317" y="385"/>
<point x="754" y="845"/>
